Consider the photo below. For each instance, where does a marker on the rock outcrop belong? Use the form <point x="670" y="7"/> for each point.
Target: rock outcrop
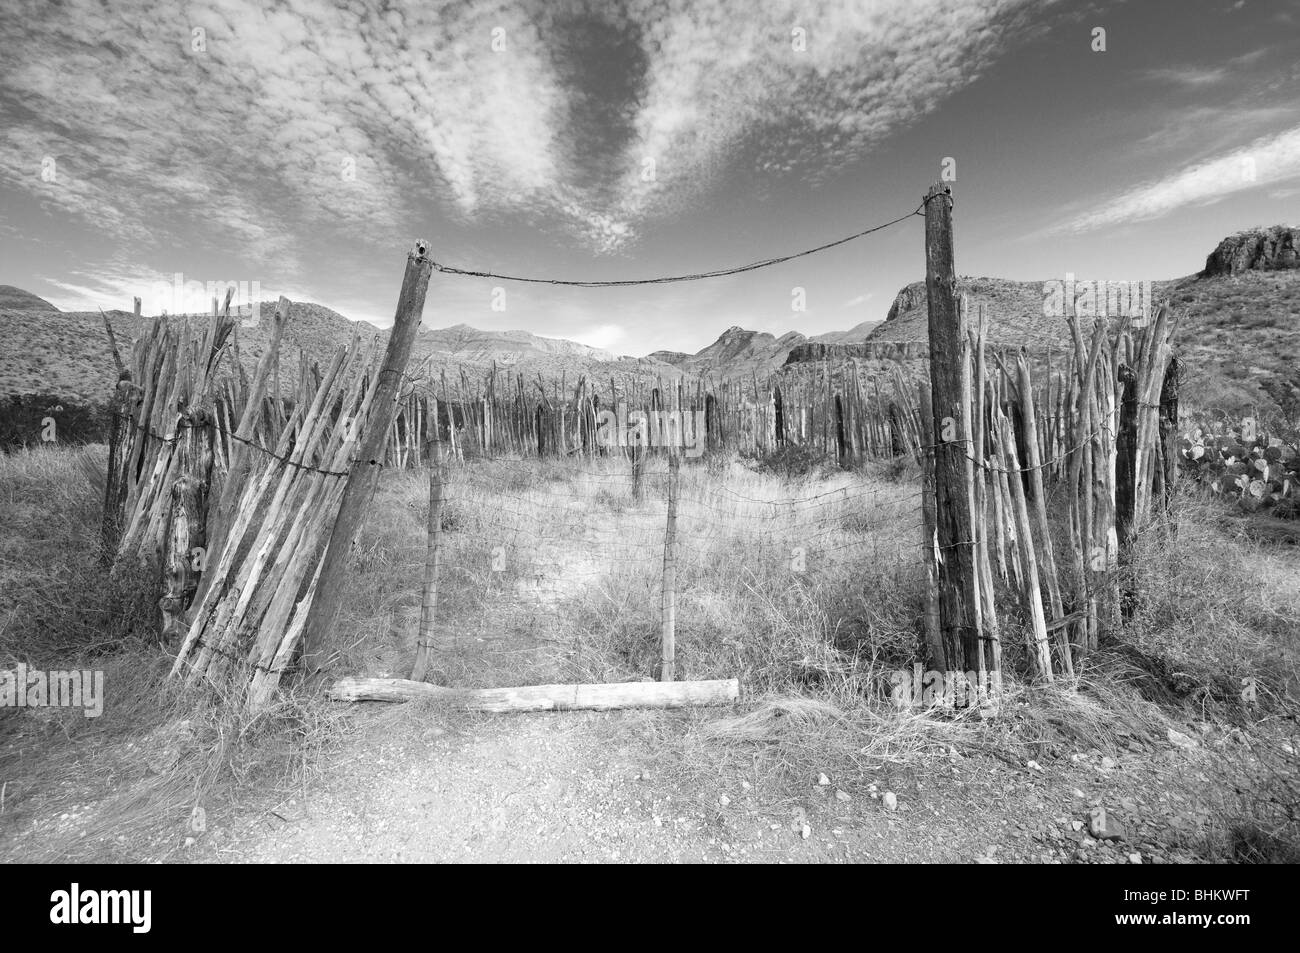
<point x="1257" y="249"/>
<point x="910" y="298"/>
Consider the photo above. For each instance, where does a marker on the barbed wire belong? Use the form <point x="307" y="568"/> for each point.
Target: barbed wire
<point x="189" y="425"/>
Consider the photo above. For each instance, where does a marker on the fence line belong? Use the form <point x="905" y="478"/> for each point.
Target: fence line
<point x="204" y="459"/>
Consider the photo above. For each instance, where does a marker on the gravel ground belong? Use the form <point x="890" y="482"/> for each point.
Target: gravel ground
<point x="587" y="787"/>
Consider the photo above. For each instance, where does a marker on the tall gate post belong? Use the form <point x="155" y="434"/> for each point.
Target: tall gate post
<point x="959" y="619"/>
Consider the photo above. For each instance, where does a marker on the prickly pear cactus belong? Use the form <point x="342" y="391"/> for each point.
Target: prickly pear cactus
<point x="1236" y="461"/>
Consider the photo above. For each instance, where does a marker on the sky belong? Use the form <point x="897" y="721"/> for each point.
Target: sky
<point x="302" y="146"/>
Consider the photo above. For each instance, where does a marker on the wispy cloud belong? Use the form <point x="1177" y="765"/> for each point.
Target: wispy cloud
<point x="245" y="123"/>
<point x="1267" y="160"/>
<point x="1193" y="76"/>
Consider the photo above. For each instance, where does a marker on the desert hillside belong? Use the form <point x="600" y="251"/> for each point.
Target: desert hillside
<point x="1239" y="336"/>
<point x="1238" y="332"/>
<point x="18" y="299"/>
<point x="67" y="353"/>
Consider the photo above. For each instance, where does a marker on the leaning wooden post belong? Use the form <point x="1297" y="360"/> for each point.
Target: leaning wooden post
<point x="222" y="515"/>
<point x="958" y="590"/>
<point x="669" y="667"/>
<point x="119" y="441"/>
<point x="364" y="476"/>
<point x="1034" y="468"/>
<point x="431" y="553"/>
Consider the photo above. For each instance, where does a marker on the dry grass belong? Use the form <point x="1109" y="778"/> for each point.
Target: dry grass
<point x="1214" y="609"/>
<point x="121" y="785"/>
<point x="807" y="590"/>
<point x="552" y="573"/>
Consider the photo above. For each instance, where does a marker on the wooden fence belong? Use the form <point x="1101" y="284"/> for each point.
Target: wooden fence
<point x="1097" y="436"/>
<point x="249" y="498"/>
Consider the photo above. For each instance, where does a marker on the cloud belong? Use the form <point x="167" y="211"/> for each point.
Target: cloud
<point x="1193" y="76"/>
<point x="113" y="285"/>
<point x="603" y="336"/>
<point x="239" y="125"/>
<point x="1267" y="160"/>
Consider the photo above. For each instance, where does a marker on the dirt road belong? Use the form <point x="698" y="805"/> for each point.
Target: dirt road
<point x="590" y="787"/>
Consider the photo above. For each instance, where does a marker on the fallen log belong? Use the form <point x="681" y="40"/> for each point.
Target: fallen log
<point x="599" y="697"/>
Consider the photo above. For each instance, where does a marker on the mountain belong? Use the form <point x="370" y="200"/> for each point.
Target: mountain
<point x="67" y="353"/>
<point x="505" y="347"/>
<point x="1238" y="329"/>
<point x="854" y="335"/>
<point x="737" y="353"/>
<point x="1238" y="336"/>
<point x="19" y="300"/>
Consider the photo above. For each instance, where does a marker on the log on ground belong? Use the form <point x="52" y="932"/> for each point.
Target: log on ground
<point x="598" y="697"/>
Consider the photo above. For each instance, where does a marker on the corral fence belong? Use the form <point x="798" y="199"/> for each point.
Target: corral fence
<point x="1038" y="475"/>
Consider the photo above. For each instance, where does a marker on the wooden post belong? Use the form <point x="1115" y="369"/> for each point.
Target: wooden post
<point x="120" y="428"/>
<point x="668" y="669"/>
<point x="364" y="476"/>
<point x="1039" y="653"/>
<point x="1167" y="471"/>
<point x="993" y="644"/>
<point x="433" y="541"/>
<point x="638" y="463"/>
<point x="1034" y="464"/>
<point x="958" y="589"/>
<point x="933" y="641"/>
<point x="1126" y="461"/>
<point x="222" y="514"/>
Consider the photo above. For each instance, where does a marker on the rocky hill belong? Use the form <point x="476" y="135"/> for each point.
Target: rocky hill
<point x="736" y="353"/>
<point x="1238" y="332"/>
<point x="854" y="335"/>
<point x="67" y="353"/>
<point x="1261" y="249"/>
<point x="1014" y="308"/>
<point x="1239" y="336"/>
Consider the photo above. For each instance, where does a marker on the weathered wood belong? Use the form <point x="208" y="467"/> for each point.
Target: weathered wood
<point x="598" y="697"/>
<point x="364" y="476"/>
<point x="1167" y="471"/>
<point x="668" y="662"/>
<point x="981" y="474"/>
<point x="1126" y="462"/>
<point x="433" y="543"/>
<point x="120" y="433"/>
<point x="223" y="513"/>
<point x="959" y="615"/>
<point x="122" y="372"/>
<point x="1034" y="465"/>
<point x="179" y="567"/>
<point x="929" y="545"/>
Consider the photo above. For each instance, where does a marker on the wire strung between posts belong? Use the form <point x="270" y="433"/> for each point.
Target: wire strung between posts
<point x="187" y="425"/>
<point x="696" y="276"/>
